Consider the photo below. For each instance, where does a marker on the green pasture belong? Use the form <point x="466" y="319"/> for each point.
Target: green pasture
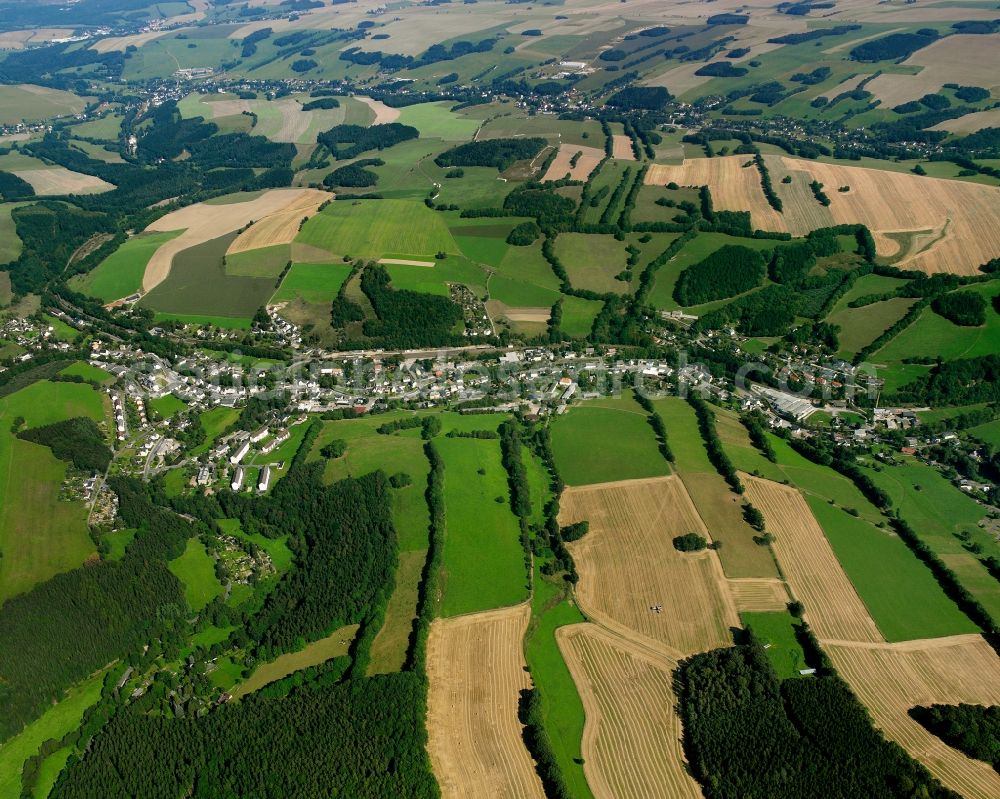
<point x="29" y="103"/>
<point x="562" y="709"/>
<point x="316" y="283"/>
<point x="369" y="451"/>
<point x="166" y="406"/>
<point x="859" y="327"/>
<point x="776" y="632"/>
<point x="719" y="507"/>
<point x="40" y="534"/>
<point x="196" y="569"/>
<point x="933" y="336"/>
<point x="120" y="274"/>
<point x="601" y="441"/>
<point x="262" y="262"/>
<point x="592" y="261"/>
<point x="57" y="721"/>
<point x="899" y="591"/>
<point x="438" y="121"/>
<point x="372" y="228"/>
<point x="482" y="565"/>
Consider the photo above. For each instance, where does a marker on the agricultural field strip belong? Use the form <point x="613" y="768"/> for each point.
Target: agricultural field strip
<point x="475" y="665"/>
<point x="622" y="147"/>
<point x="632" y="736"/>
<point x="892" y="678"/>
<point x="758" y="595"/>
<point x="278" y="228"/>
<point x="735" y="185"/>
<point x="629" y="543"/>
<point x="202" y="223"/>
<point x="833" y="607"/>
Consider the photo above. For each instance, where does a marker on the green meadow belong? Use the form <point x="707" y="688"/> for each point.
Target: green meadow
<point x="312" y="282"/>
<point x="373" y="228"/>
<point x="482" y="565"/>
<point x="196" y="569"/>
<point x="604" y="440"/>
<point x="40" y="534"/>
<point x="899" y="591"/>
<point x="776" y="632"/>
<point x="120" y="274"/>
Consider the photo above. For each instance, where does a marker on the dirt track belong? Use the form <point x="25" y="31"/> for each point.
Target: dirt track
<point x="476" y="670"/>
<point x="201" y="223"/>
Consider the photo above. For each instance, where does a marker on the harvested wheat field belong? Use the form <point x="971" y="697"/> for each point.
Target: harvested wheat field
<point x="753" y="595"/>
<point x="383" y="112"/>
<point x="587" y="159"/>
<point x="890" y="202"/>
<point x="281" y="227"/>
<point x="833" y="608"/>
<point x="475" y="665"/>
<point x="201" y="223"/>
<point x="975" y="57"/>
<point x="632" y="737"/>
<point x="632" y="524"/>
<point x="528" y="314"/>
<point x="59" y="180"/>
<point x="892" y="678"/>
<point x="734" y="185"/>
<point x="621" y="147"/>
<point x="970" y="123"/>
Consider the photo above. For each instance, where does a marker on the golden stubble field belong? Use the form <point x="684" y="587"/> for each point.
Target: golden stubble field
<point x="735" y="186"/>
<point x="202" y="222"/>
<point x="972" y="60"/>
<point x="628" y="567"/>
<point x="961" y="219"/>
<point x="632" y="737"/>
<point x="833" y="608"/>
<point x="589" y="158"/>
<point x="476" y="670"/>
<point x="966" y="214"/>
<point x="892" y="678"/>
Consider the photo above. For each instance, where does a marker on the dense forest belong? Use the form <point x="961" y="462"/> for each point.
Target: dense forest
<point x="93" y="614"/>
<point x="972" y="729"/>
<point x="407" y="318"/>
<point x="748" y="734"/>
<point x="964" y="308"/>
<point x="349" y="141"/>
<point x="499" y="153"/>
<point x="362" y="738"/>
<point x="728" y="271"/>
<point x="78" y="441"/>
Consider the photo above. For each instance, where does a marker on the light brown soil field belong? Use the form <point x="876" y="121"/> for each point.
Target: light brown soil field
<point x="973" y="57"/>
<point x="632" y="524"/>
<point x="970" y="123"/>
<point x="897" y="201"/>
<point x="121" y="43"/>
<point x="280" y="227"/>
<point x="833" y="608"/>
<point x="59" y="180"/>
<point x="892" y="678"/>
<point x="406" y="262"/>
<point x="587" y="162"/>
<point x="735" y="186"/>
<point x="17" y="40"/>
<point x="528" y="314"/>
<point x="631" y="742"/>
<point x="201" y="223"/>
<point x="383" y="112"/>
<point x="475" y="667"/>
<point x="622" y="147"/>
<point x="759" y="596"/>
